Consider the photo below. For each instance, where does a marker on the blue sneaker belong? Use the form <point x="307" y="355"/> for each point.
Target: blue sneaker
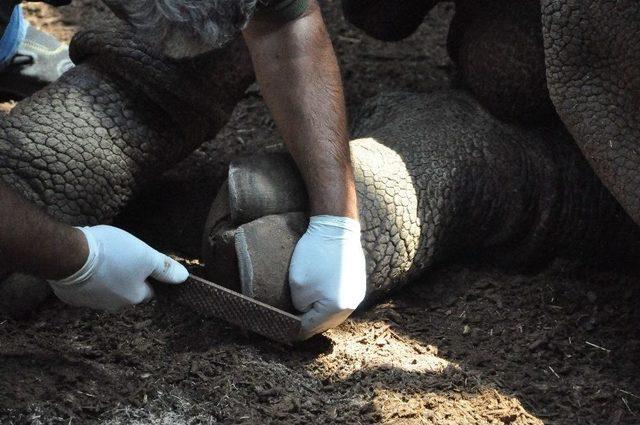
<point x="40" y="59"/>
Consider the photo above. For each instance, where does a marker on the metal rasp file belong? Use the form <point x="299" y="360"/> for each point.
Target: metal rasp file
<point x="212" y="300"/>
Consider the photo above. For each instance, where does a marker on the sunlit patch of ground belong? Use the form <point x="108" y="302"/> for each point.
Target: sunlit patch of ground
<point x="401" y="380"/>
<point x="376" y="346"/>
<point x="5" y="107"/>
<point x="47" y="18"/>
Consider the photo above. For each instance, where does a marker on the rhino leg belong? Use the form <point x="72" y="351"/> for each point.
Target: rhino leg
<point x="438" y="177"/>
<point x="85" y="145"/>
<point x="497" y="46"/>
<point x="592" y="51"/>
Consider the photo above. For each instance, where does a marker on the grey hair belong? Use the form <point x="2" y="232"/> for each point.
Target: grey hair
<point x="185" y="28"/>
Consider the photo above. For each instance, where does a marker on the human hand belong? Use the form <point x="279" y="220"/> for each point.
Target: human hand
<point x="114" y="275"/>
<point x="327" y="275"/>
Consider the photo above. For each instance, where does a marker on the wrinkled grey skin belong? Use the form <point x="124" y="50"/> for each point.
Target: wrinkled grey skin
<point x="592" y="51"/>
<point x="84" y="146"/>
<point x="500" y="192"/>
<point x="521" y="58"/>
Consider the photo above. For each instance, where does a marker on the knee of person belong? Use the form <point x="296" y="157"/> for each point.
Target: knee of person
<point x="387" y="20"/>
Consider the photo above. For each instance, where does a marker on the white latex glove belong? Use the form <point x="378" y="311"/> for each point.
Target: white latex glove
<point x="327" y="276"/>
<point x="114" y="275"/>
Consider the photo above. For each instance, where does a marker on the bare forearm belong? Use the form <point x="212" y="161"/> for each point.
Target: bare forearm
<point x="300" y="80"/>
<point x="32" y="242"/>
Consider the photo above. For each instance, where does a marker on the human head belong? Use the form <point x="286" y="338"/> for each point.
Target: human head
<point x="185" y="28"/>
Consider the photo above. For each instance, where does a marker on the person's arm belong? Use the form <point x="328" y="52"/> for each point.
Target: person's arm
<point x="99" y="267"/>
<point x="300" y="81"/>
<point x="34" y="243"/>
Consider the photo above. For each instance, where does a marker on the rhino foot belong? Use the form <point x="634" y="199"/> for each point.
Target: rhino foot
<point x="437" y="178"/>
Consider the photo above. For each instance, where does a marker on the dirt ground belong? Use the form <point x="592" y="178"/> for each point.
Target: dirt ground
<point x="465" y="345"/>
